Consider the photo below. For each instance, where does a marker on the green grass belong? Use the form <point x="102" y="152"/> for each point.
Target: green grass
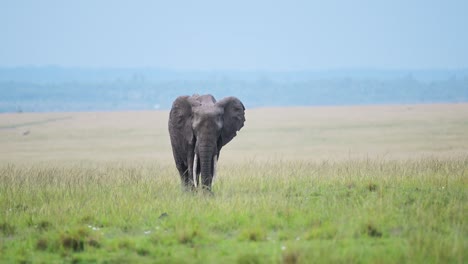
<point x="272" y="211"/>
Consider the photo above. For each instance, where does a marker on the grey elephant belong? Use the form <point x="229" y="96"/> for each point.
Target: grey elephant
<point x="199" y="127"/>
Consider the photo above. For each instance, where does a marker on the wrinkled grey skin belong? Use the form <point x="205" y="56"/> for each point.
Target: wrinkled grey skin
<point x="200" y="125"/>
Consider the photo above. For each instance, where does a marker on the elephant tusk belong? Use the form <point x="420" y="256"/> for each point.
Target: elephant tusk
<point x="195" y="161"/>
<point x="215" y="163"/>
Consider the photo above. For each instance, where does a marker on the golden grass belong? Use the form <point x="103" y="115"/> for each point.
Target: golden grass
<point x="389" y="132"/>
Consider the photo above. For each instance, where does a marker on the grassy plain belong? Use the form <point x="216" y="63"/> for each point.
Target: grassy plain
<point x="385" y="184"/>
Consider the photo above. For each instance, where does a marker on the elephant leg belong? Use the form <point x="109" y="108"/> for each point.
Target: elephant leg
<point x="184" y="175"/>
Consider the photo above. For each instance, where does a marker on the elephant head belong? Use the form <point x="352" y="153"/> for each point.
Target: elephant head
<point x="199" y="127"/>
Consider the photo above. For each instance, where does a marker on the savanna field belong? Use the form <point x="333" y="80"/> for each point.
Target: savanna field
<point x="360" y="184"/>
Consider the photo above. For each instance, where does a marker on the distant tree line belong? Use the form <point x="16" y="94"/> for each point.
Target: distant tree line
<point x="140" y="94"/>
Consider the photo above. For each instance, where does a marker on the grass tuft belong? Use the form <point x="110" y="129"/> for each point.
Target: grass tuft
<point x="291" y="257"/>
<point x="7" y="229"/>
<point x="253" y="234"/>
<point x="44" y="225"/>
<point x="94" y="243"/>
<point x="372" y="187"/>
<point x="249" y="259"/>
<point x="73" y="243"/>
<point x="42" y="244"/>
<point x="143" y="252"/>
<point x="320" y="230"/>
<point x="126" y="244"/>
<point x="372" y="231"/>
<point x="187" y="236"/>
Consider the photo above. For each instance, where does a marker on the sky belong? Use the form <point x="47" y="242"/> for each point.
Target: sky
<point x="235" y="35"/>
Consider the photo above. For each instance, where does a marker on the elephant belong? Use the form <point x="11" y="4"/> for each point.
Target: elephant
<point x="199" y="127"/>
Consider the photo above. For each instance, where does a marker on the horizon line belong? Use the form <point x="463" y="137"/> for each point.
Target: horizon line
<point x="157" y="68"/>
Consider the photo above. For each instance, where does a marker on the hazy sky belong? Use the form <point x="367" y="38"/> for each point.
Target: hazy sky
<point x="237" y="35"/>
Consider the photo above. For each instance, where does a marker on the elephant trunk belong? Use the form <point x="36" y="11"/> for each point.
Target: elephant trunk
<point x="206" y="164"/>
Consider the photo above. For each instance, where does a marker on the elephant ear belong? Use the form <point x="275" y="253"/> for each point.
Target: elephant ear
<point x="180" y="117"/>
<point x="233" y="117"/>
